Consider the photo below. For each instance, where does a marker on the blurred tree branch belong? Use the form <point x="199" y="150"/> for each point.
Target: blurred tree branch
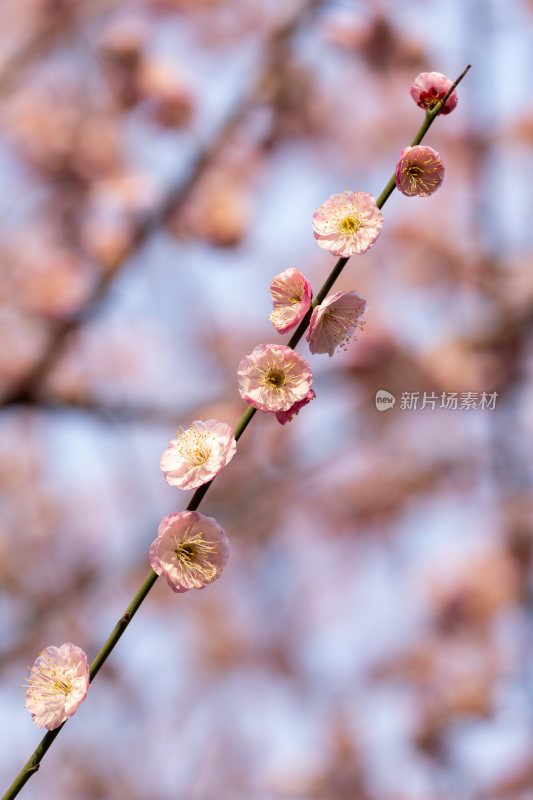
<point x="265" y="86"/>
<point x="48" y="32"/>
<point x="45" y="606"/>
<point x="110" y="412"/>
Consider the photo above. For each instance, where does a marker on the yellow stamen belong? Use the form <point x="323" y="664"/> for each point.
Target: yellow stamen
<point x="350" y="225"/>
<point x="194" y="446"/>
<point x="193" y="554"/>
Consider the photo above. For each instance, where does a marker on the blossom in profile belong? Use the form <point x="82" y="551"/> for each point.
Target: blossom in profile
<point x="291" y="295"/>
<point x="285" y="416"/>
<point x="348" y="223"/>
<point x="274" y="377"/>
<point x="58" y="683"/>
<point x="419" y="172"/>
<point x="198" y="453"/>
<point x="429" y="88"/>
<point x="334" y="322"/>
<point x="190" y="550"/>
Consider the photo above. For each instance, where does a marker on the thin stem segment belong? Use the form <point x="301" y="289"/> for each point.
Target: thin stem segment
<point x="32" y="765"/>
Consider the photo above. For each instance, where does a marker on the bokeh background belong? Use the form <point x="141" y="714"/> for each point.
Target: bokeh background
<point x="160" y="161"/>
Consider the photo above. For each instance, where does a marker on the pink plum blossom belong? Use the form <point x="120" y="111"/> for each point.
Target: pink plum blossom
<point x="198" y="454"/>
<point x="285" y="416"/>
<point x="274" y="377"/>
<point x="419" y="172"/>
<point x="348" y="223"/>
<point x="292" y="295"/>
<point x="333" y="322"/>
<point x="429" y="88"/>
<point x="58" y="683"/>
<point x="190" y="550"/>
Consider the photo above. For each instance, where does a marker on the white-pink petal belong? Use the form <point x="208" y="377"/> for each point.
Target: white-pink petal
<point x="429" y="88"/>
<point x="58" y="684"/>
<point x="285" y="416"/>
<point x="334" y="322"/>
<point x="198" y="453"/>
<point x="291" y="294"/>
<point x="190" y="550"/>
<point x="347" y="224"/>
<point x="419" y="171"/>
<point x="274" y="377"/>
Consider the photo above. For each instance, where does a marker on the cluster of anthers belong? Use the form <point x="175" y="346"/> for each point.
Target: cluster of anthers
<point x="334" y="322"/>
<point x="276" y="374"/>
<point x="419" y="172"/>
<point x="193" y="445"/>
<point x="193" y="554"/>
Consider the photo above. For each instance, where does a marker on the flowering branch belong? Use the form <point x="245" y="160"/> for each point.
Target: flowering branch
<point x="186" y="544"/>
<point x="431" y="114"/>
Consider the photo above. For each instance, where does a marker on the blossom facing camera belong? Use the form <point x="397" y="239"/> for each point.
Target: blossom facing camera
<point x="429" y="88"/>
<point x="274" y="377"/>
<point x="58" y="683"/>
<point x="347" y="224"/>
<point x="198" y="454"/>
<point x="285" y="416"/>
<point x="334" y="322"/>
<point x="292" y="295"/>
<point x="190" y="550"/>
<point x="419" y="172"/>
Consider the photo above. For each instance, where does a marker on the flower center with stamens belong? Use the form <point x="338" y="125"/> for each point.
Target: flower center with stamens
<point x="350" y="225"/>
<point x="275" y="377"/>
<point x="186" y="552"/>
<point x="415" y="171"/>
<point x="283" y="294"/>
<point x="341" y="327"/>
<point x="63" y="687"/>
<point x="194" y="447"/>
<point x="297" y="294"/>
<point x="276" y="374"/>
<point x="194" y="556"/>
<point x="431" y="99"/>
